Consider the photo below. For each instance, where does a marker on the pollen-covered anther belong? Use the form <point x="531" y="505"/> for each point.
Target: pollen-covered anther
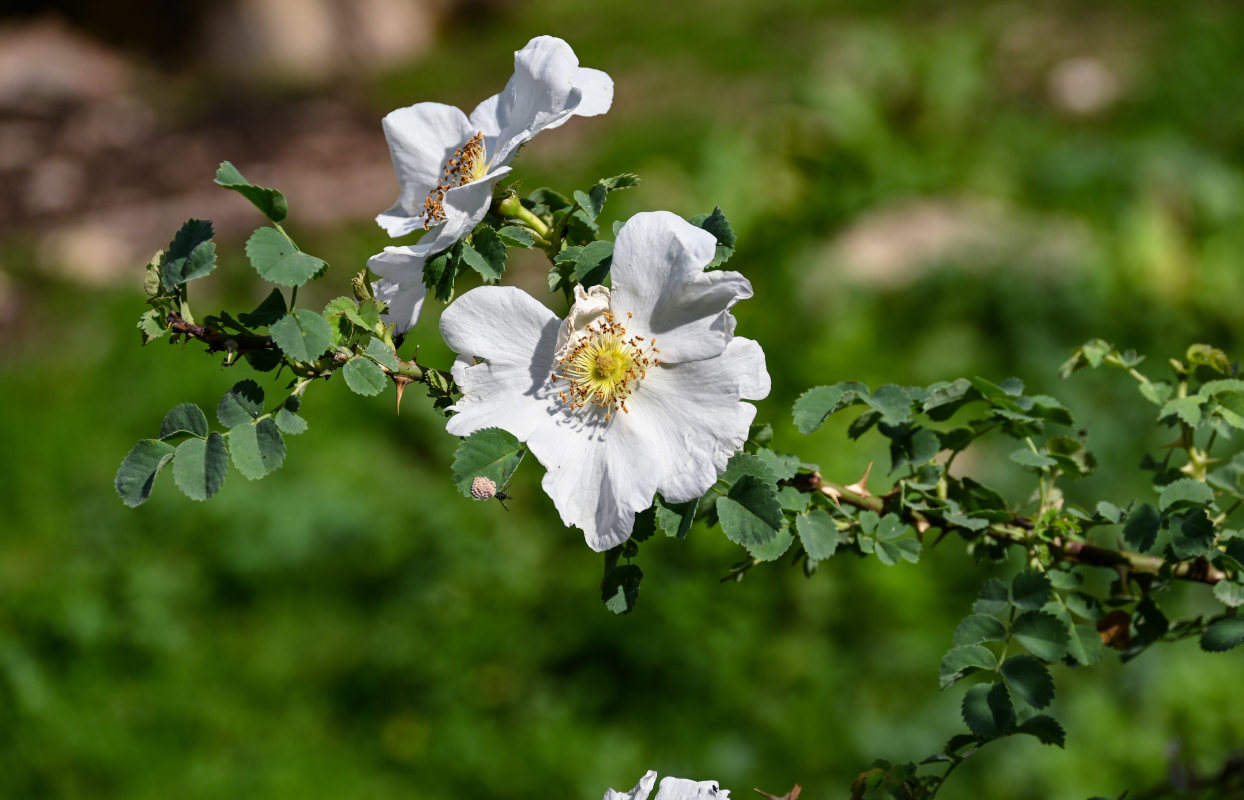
<point x="465" y="165"/>
<point x="604" y="367"/>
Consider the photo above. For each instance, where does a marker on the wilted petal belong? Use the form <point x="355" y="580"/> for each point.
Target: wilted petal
<point x="658" y="275"/>
<point x="421" y="139"/>
<point x="640" y="792"/>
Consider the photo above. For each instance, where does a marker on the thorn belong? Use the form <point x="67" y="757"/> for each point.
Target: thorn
<point x="860" y="487"/>
<point x="833" y="494"/>
<point x="793" y="794"/>
<point x="401" y="381"/>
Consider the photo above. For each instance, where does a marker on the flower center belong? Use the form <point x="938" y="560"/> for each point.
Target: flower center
<point x="468" y="163"/>
<point x="605" y="366"/>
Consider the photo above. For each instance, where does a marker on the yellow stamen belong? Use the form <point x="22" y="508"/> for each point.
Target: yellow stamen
<point x="604" y="368"/>
<point x="466" y="165"/>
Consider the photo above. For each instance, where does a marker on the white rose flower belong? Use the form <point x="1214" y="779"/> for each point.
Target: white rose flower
<point x="447" y="163"/>
<point x="671" y="789"/>
<point x="637" y="391"/>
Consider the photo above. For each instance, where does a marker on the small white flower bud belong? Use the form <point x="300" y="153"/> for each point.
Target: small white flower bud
<point x="483" y="488"/>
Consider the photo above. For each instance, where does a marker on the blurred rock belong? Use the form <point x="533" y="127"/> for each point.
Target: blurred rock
<point x="893" y="246"/>
<point x="45" y="62"/>
<point x="303" y="41"/>
<point x="1083" y="85"/>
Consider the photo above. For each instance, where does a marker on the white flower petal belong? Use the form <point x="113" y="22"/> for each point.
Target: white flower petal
<point x="683" y="789"/>
<point x="401" y="283"/>
<point x="658" y="275"/>
<point x="595" y="476"/>
<point x="640" y="792"/>
<point x="597" y="90"/>
<point x="546" y="89"/>
<point x="688" y="420"/>
<point x="421" y="139"/>
<point x="466" y="205"/>
<point x="747" y="362"/>
<point x="515" y="335"/>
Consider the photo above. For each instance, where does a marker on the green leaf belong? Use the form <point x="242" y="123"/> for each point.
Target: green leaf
<point x="750" y="513"/>
<point x="1084" y="645"/>
<point x="200" y="466"/>
<point x="1223" y="634"/>
<point x="139" y="468"/>
<point x="978" y="628"/>
<point x="993" y="598"/>
<point x="792" y="499"/>
<point x="675" y="519"/>
<point x="1031" y="589"/>
<point x="892" y="401"/>
<point x="717" y="224"/>
<point x="277" y="259"/>
<point x="1229" y="593"/>
<point x="1187" y="409"/>
<point x="186" y="418"/>
<point x="1029" y="680"/>
<point x="242" y="403"/>
<point x="1041" y="633"/>
<point x="783" y="467"/>
<point x="151" y="325"/>
<point x="775" y="548"/>
<point x="488" y="453"/>
<point x="741" y="464"/>
<point x="593" y="263"/>
<point x="987" y="710"/>
<point x="593" y="200"/>
<point x="191" y="254"/>
<point x="364" y="376"/>
<point x="1066" y="579"/>
<point x="1045" y="728"/>
<point x="286" y="418"/>
<point x="257" y="448"/>
<point x="1194" y="536"/>
<point x="1025" y="457"/>
<point x="271" y="202"/>
<point x="1084" y="605"/>
<point x="962" y="661"/>
<point x="818" y="533"/>
<point x="485" y="254"/>
<point x="303" y="335"/>
<point x="815" y="405"/>
<point x="620" y="588"/>
<point x="152" y="283"/>
<point x="1141" y="529"/>
<point x="1156" y="392"/>
<point x="516" y="236"/>
<point x="382" y="354"/>
<point x="891" y="552"/>
<point x="269" y="311"/>
<point x="944" y="399"/>
<point x="624" y="181"/>
<point x="1185" y="491"/>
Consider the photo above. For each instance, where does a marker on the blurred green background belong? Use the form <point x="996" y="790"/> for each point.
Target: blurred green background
<point x="922" y="191"/>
